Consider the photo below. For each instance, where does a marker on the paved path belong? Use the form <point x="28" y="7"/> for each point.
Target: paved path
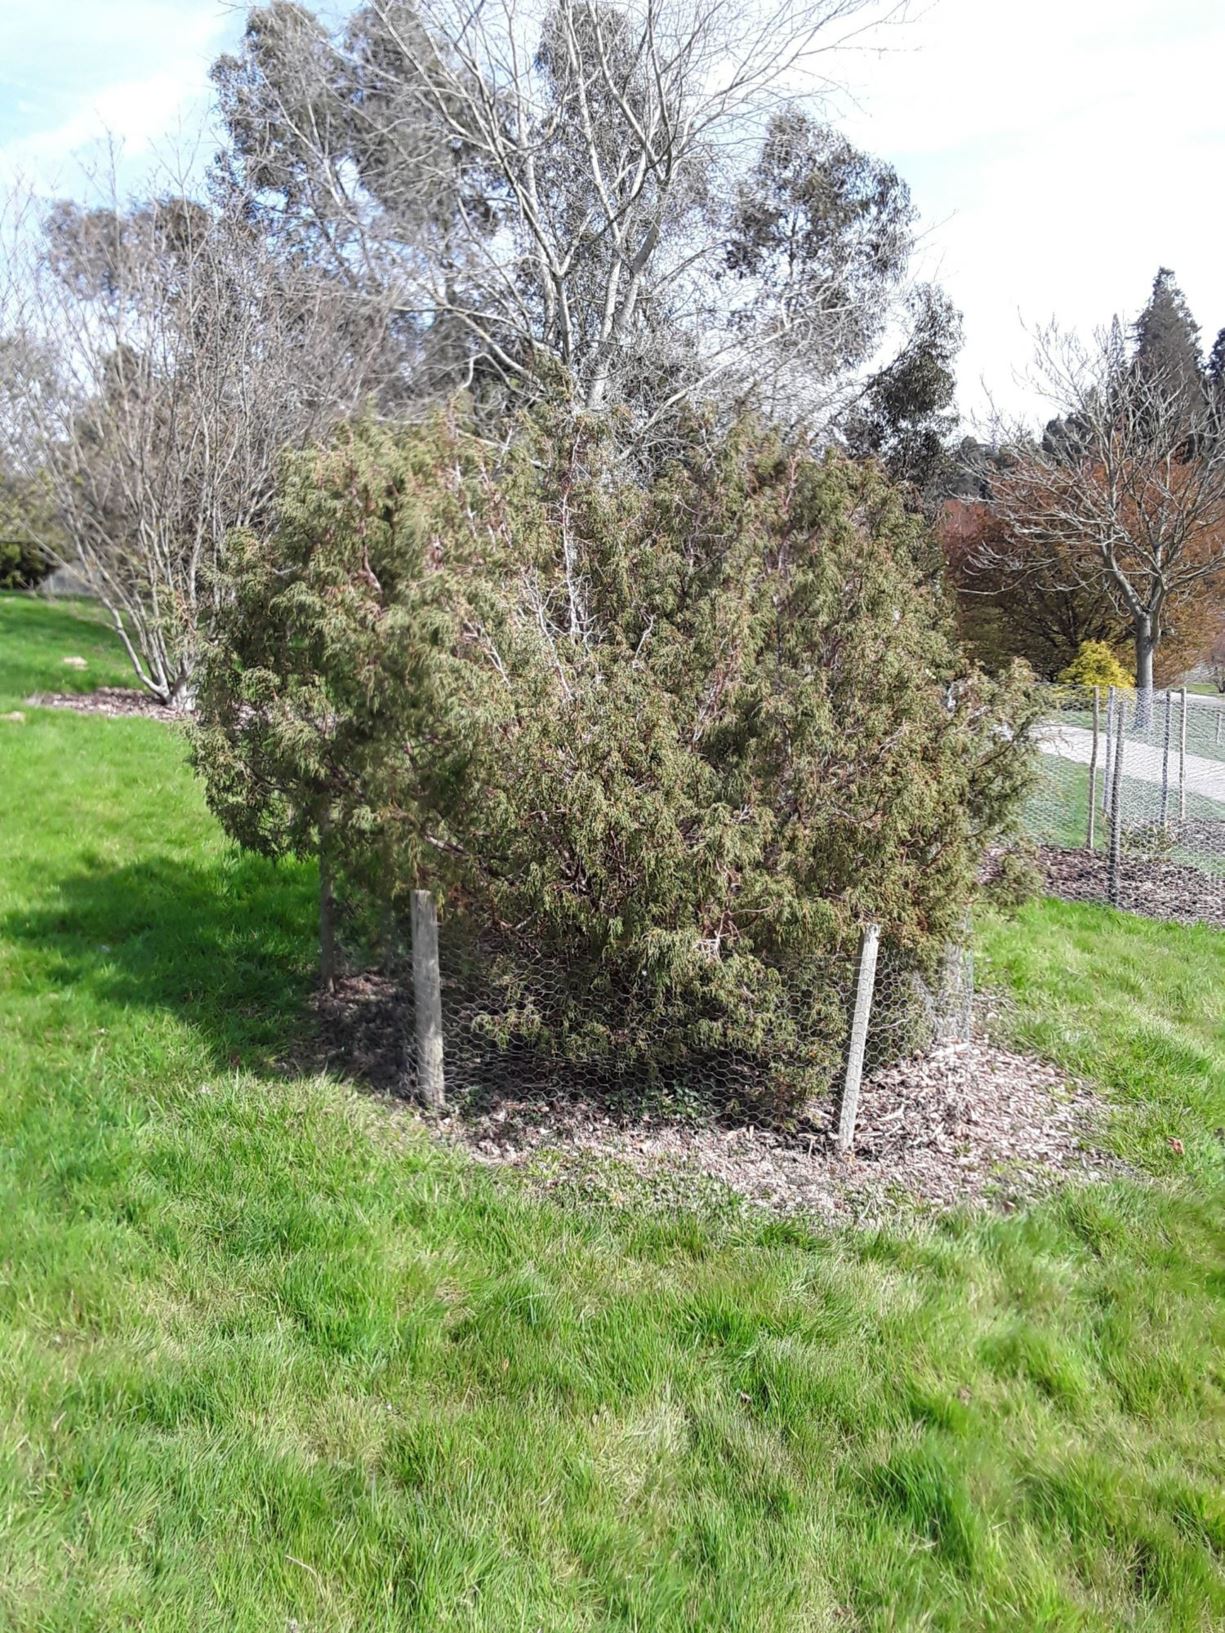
<point x="1140" y="760"/>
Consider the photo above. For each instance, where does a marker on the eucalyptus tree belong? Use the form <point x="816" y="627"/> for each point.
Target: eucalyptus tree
<point x="636" y="195"/>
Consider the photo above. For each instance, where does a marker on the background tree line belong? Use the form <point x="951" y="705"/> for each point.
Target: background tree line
<point x="1110" y="525"/>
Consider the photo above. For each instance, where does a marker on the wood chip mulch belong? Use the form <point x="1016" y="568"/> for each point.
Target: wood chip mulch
<point x="967" y="1125"/>
<point x="115" y="702"/>
<point x="1158" y="889"/>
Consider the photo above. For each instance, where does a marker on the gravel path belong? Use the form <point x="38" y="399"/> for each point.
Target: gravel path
<point x="1140" y="760"/>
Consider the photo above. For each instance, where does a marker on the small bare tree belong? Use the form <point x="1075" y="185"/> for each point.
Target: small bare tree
<point x="627" y="194"/>
<point x="156" y="361"/>
<point x="1125" y="492"/>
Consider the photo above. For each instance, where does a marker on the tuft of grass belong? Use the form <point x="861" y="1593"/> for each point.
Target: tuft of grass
<point x="1057" y="813"/>
<point x="269" y="1358"/>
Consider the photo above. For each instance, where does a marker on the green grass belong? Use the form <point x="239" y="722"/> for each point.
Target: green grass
<point x="35" y="638"/>
<point x="269" y="1358"/>
<point x="1057" y="812"/>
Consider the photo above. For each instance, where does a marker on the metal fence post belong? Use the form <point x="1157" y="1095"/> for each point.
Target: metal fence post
<point x="865" y="984"/>
<point x="427" y="999"/>
<point x="328" y="961"/>
<point x="1116" y="804"/>
<point x="1165" y="761"/>
<point x="1109" y="746"/>
<point x="967" y="990"/>
<point x="1097" y="705"/>
<point x="1182" y="758"/>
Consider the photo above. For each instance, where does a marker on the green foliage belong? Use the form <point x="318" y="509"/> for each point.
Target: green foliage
<point x="23" y="564"/>
<point x="1095" y="664"/>
<point x="663" y="748"/>
<point x="1016" y="877"/>
<point x="1155" y="840"/>
<point x="907" y="415"/>
<point x="273" y="1358"/>
<point x="1167" y="344"/>
<point x="29" y="532"/>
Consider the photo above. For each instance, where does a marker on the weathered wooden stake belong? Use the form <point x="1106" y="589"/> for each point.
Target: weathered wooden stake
<point x="1116" y="804"/>
<point x="1097" y="706"/>
<point x="1182" y="758"/>
<point x="327" y="908"/>
<point x="1220" y="716"/>
<point x="865" y="985"/>
<point x="1165" y="762"/>
<point x="427" y="999"/>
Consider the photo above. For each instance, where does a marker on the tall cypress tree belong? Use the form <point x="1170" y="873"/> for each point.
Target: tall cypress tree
<point x="1216" y="371"/>
<point x="1166" y="340"/>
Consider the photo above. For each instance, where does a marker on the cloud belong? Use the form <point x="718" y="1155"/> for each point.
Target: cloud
<point x="132" y="72"/>
<point x="1060" y="152"/>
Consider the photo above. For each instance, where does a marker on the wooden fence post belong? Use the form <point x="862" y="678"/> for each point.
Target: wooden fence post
<point x="865" y="985"/>
<point x="1097" y="705"/>
<point x="427" y="999"/>
<point x="1109" y="745"/>
<point x="1116" y="804"/>
<point x="1182" y="758"/>
<point x="327" y="906"/>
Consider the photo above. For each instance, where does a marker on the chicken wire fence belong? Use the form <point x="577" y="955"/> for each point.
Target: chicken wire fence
<point x="491" y="1028"/>
<point x="1129" y="805"/>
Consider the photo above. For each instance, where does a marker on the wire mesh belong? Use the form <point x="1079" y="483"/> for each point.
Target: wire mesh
<point x="1129" y="806"/>
<point x="521" y="1032"/>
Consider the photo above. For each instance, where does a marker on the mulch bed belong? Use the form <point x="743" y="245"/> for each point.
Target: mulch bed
<point x="967" y="1125"/>
<point x="115" y="702"/>
<point x="1158" y="889"/>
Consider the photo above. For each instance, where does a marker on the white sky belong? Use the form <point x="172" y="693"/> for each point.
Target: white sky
<point x="1059" y="150"/>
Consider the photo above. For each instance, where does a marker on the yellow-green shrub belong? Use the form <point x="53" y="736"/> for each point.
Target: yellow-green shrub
<point x="1095" y="665"/>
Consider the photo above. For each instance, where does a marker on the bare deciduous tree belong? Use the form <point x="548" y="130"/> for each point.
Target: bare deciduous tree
<point x="1126" y="491"/>
<point x="628" y="193"/>
<point x="156" y="361"/>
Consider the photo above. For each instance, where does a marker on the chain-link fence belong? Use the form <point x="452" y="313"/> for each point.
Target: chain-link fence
<point x="1129" y="807"/>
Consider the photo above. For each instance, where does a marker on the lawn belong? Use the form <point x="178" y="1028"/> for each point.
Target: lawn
<point x="271" y="1360"/>
<point x="1057" y="813"/>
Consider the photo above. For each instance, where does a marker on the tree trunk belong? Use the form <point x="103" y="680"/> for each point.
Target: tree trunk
<point x="182" y="695"/>
<point x="1146" y="647"/>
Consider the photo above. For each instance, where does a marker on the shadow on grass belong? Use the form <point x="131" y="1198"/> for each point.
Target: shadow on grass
<point x="227" y="945"/>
